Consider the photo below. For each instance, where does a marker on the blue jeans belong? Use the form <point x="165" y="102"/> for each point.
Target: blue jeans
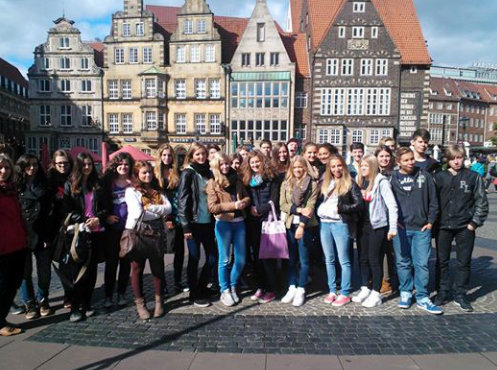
<point x="335" y="240"/>
<point x="413" y="249"/>
<point x="228" y="233"/>
<point x="298" y="251"/>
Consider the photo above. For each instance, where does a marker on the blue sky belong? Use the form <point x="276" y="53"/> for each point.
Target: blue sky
<point x="458" y="34"/>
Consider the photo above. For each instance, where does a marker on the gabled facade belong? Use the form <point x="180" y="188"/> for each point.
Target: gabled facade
<point x="65" y="88"/>
<point x="262" y="83"/>
<point x="135" y="79"/>
<point x="197" y="87"/>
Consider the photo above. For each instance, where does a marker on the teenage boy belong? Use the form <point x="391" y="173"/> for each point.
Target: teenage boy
<point x="293" y="147"/>
<point x="463" y="208"/>
<point x="266" y="148"/>
<point x="356" y="152"/>
<point x="416" y="196"/>
<point x="419" y="144"/>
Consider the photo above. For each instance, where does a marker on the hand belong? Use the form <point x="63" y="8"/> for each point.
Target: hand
<point x="93" y="223"/>
<point x="253" y="212"/>
<point x="471" y="227"/>
<point x="426" y="227"/>
<point x="391" y="235"/>
<point x="188" y="236"/>
<point x="306" y="212"/>
<point x="400" y="226"/>
<point x="111" y="220"/>
<point x="170" y="225"/>
<point x="299" y="233"/>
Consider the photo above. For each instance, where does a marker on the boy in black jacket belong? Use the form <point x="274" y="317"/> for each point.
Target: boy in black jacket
<point x="419" y="144"/>
<point x="463" y="208"/>
<point x="416" y="197"/>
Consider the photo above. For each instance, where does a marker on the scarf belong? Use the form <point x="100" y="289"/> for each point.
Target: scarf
<point x="202" y="169"/>
<point x="299" y="188"/>
<point x="151" y="197"/>
<point x="232" y="177"/>
<point x="255" y="181"/>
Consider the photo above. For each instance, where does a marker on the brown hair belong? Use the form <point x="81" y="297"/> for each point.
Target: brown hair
<point x="343" y="184"/>
<point x="173" y="177"/>
<point x="148" y="190"/>
<point x="267" y="171"/>
<point x="280" y="166"/>
<point x="402" y="151"/>
<point x="191" y="150"/>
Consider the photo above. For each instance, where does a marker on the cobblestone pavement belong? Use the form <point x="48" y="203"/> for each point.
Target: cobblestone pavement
<point x="315" y="328"/>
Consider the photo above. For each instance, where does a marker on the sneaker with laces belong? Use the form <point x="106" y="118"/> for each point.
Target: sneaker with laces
<point x="362" y="296"/>
<point x="373" y="300"/>
<point x="299" y="298"/>
<point x="89" y="312"/>
<point x="32" y="311"/>
<point x="226" y="298"/>
<point x="234" y="295"/>
<point x="288" y="298"/>
<point x="76" y="316"/>
<point x="463" y="304"/>
<point x="203" y="303"/>
<point x="330" y="298"/>
<point x="16" y="309"/>
<point x="45" y="309"/>
<point x="267" y="297"/>
<point x="341" y="301"/>
<point x="405" y="301"/>
<point x="428" y="306"/>
<point x="259" y="293"/>
<point x="441" y="298"/>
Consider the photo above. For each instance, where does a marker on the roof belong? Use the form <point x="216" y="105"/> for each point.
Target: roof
<point x="460" y="89"/>
<point x="299" y="55"/>
<point x="12" y="73"/>
<point x="399" y="17"/>
<point x="296" y="10"/>
<point x="98" y="51"/>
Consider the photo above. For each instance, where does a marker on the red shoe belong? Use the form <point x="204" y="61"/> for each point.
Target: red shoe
<point x="268" y="297"/>
<point x="330" y="298"/>
<point x="341" y="301"/>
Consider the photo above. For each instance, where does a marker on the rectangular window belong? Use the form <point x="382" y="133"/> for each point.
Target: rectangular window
<point x="384" y="101"/>
<point x="126" y="29"/>
<point x="133" y="55"/>
<point x="86" y="86"/>
<point x="275" y="59"/>
<point x="65" y="63"/>
<point x="301" y="100"/>
<point x="359" y="7"/>
<point x="326" y="102"/>
<point x="215" y="124"/>
<point x="355" y="105"/>
<point x="215" y="88"/>
<point x="210" y="53"/>
<point x="45" y="63"/>
<point x="44" y="85"/>
<point x="200" y="89"/>
<point x="85" y="64"/>
<point x="381" y="67"/>
<point x="65" y="115"/>
<point x="150" y="87"/>
<point x="180" y="89"/>
<point x="118" y="55"/>
<point x="347" y="67"/>
<point x="195" y="53"/>
<point x="127" y="120"/>
<point x="200" y="124"/>
<point x="259" y="59"/>
<point x="357" y="136"/>
<point x="64" y="43"/>
<point x="201" y="26"/>
<point x="261" y="32"/>
<point x="188" y="27"/>
<point x="65" y="85"/>
<point x="358" y="32"/>
<point x="374" y="32"/>
<point x="386" y="132"/>
<point x="341" y="32"/>
<point x="86" y="115"/>
<point x="113" y="123"/>
<point x="366" y="67"/>
<point x="140" y="30"/>
<point x="180" y="122"/>
<point x="374" y="137"/>
<point x="147" y="55"/>
<point x="332" y="67"/>
<point x="150" y="120"/>
<point x="45" y="117"/>
<point x="126" y="89"/>
<point x="93" y="144"/>
<point x="113" y="89"/>
<point x="65" y="142"/>
<point x="245" y="59"/>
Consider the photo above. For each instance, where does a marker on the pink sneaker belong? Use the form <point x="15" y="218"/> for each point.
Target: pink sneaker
<point x="341" y="301"/>
<point x="268" y="297"/>
<point x="259" y="293"/>
<point x="330" y="298"/>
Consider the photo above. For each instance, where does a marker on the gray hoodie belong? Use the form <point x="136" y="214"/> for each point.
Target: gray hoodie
<point x="383" y="207"/>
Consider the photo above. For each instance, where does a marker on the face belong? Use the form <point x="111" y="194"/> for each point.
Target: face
<point x="266" y="149"/>
<point x="224" y="167"/>
<point x="5" y="171"/>
<point x="87" y="167"/>
<point x="420" y="145"/>
<point x="123" y="168"/>
<point x="166" y="157"/>
<point x="282" y="154"/>
<point x="390" y="144"/>
<point x="235" y="164"/>
<point x="384" y="159"/>
<point x="406" y="162"/>
<point x="292" y="149"/>
<point x="255" y="164"/>
<point x="212" y="153"/>
<point x="364" y="168"/>
<point x="357" y="154"/>
<point x="145" y="175"/>
<point x="31" y="168"/>
<point x="311" y="153"/>
<point x="199" y="156"/>
<point x="62" y="164"/>
<point x="323" y="155"/>
<point x="298" y="170"/>
<point x="336" y="168"/>
<point x="456" y="163"/>
<point x="243" y="153"/>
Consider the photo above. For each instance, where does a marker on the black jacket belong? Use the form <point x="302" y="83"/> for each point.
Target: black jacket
<point x="261" y="195"/>
<point x="75" y="204"/>
<point x="431" y="165"/>
<point x="33" y="201"/>
<point x="463" y="199"/>
<point x="188" y="198"/>
<point x="419" y="206"/>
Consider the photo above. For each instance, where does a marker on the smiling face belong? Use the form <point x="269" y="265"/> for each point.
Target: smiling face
<point x="123" y="168"/>
<point x="384" y="158"/>
<point x="255" y="165"/>
<point x="298" y="170"/>
<point x="406" y="163"/>
<point x="282" y="154"/>
<point x="62" y="165"/>
<point x="420" y="145"/>
<point x="293" y="147"/>
<point x="86" y="167"/>
<point x="235" y="164"/>
<point x="5" y="171"/>
<point x="224" y="166"/>
<point x="323" y="155"/>
<point x="31" y="168"/>
<point x="336" y="168"/>
<point x="311" y="153"/>
<point x="357" y="154"/>
<point x="167" y="157"/>
<point x="145" y="175"/>
<point x="199" y="156"/>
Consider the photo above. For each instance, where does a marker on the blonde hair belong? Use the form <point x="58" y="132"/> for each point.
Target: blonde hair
<point x="342" y="184"/>
<point x="215" y="163"/>
<point x="374" y="169"/>
<point x="173" y="177"/>
<point x="191" y="150"/>
<point x="289" y="177"/>
<point x="453" y="151"/>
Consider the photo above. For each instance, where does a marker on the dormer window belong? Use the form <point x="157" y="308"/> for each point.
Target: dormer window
<point x="126" y="29"/>
<point x="261" y="32"/>
<point x="447" y="92"/>
<point x="433" y="92"/>
<point x="359" y="7"/>
<point x="341" y="32"/>
<point x="358" y="32"/>
<point x="374" y="32"/>
<point x="188" y="27"/>
<point x="64" y="43"/>
<point x="201" y="26"/>
<point x="140" y="31"/>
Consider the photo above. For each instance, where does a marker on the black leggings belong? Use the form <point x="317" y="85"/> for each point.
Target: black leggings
<point x="11" y="272"/>
<point x="371" y="245"/>
<point x="112" y="261"/>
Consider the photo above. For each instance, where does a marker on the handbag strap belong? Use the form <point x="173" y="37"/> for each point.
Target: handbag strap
<point x="273" y="211"/>
<point x="139" y="222"/>
<point x="75" y="256"/>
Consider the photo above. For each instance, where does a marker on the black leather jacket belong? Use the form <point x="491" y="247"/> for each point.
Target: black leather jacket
<point x="75" y="204"/>
<point x="33" y="201"/>
<point x="261" y="195"/>
<point x="463" y="199"/>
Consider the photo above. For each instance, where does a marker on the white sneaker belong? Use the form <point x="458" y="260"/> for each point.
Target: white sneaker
<point x="299" y="298"/>
<point x="227" y="299"/>
<point x="363" y="294"/>
<point x="373" y="300"/>
<point x="289" y="295"/>
<point x="234" y="295"/>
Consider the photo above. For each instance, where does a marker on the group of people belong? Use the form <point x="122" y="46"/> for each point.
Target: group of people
<point x="391" y="202"/>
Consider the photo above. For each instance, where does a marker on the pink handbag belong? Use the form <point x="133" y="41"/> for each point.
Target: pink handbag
<point x="273" y="237"/>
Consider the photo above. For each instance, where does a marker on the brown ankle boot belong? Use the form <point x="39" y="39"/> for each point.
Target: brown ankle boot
<point x="141" y="309"/>
<point x="159" y="308"/>
<point x="386" y="288"/>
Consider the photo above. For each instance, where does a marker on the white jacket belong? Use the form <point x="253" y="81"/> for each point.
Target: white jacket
<point x="135" y="208"/>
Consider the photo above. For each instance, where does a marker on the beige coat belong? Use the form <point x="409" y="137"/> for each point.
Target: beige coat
<point x="220" y="203"/>
<point x="309" y="201"/>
